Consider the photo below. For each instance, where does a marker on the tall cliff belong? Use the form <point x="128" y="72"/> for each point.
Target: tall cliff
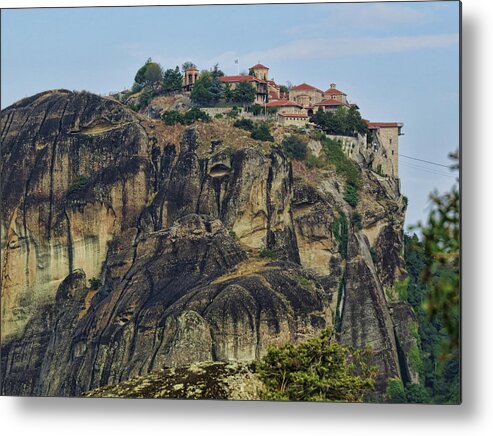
<point x="129" y="246"/>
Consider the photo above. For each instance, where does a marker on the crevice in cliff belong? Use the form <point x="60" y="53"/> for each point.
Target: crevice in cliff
<point x="52" y="169"/>
<point x="70" y="248"/>
<point x="403" y="366"/>
<point x="6" y="126"/>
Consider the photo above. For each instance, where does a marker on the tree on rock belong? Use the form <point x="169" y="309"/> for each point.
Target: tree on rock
<point x="172" y="80"/>
<point x="149" y="74"/>
<point x="319" y="369"/>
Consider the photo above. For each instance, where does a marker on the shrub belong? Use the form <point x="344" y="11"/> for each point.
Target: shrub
<point x="172" y="117"/>
<point x="267" y="253"/>
<point x="319" y="369"/>
<point x="78" y="185"/>
<point x="295" y="147"/>
<point x="313" y="161"/>
<point x="344" y="166"/>
<point x="245" y="124"/>
<point x="417" y="394"/>
<point x="233" y="113"/>
<point x="356" y="221"/>
<point x="195" y="114"/>
<point x="340" y="231"/>
<point x="133" y="107"/>
<point x="145" y="97"/>
<point x="395" y="391"/>
<point x="351" y="194"/>
<point x="256" y="109"/>
<point x="95" y="283"/>
<point x="262" y="133"/>
<point x="305" y="283"/>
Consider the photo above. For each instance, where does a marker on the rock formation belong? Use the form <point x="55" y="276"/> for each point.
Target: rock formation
<point x="125" y="251"/>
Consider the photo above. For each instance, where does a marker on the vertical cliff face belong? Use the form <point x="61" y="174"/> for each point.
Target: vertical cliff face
<point x="202" y="254"/>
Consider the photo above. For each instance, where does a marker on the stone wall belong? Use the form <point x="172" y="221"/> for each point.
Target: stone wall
<point x="386" y="146"/>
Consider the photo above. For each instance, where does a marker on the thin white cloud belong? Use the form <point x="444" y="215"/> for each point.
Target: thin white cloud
<point x="342" y="47"/>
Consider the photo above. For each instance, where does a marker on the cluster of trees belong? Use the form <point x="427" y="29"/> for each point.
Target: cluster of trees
<point x="343" y="121"/>
<point x="151" y="80"/>
<point x="295" y="147"/>
<point x="258" y="131"/>
<point x="319" y="369"/>
<point x="434" y="293"/>
<point x="174" y="117"/>
<point x="208" y="90"/>
<point x="152" y="75"/>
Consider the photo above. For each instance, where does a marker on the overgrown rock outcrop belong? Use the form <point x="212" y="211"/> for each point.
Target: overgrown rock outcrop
<point x="124" y="252"/>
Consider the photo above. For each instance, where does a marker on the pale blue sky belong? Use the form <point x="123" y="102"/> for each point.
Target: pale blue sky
<point x="398" y="61"/>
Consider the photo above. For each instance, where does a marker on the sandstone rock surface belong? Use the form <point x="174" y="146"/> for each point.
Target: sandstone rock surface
<point x="125" y="252"/>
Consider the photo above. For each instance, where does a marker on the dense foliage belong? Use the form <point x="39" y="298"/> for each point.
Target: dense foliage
<point x="207" y="90"/>
<point x="433" y="291"/>
<point x="243" y="94"/>
<point x="344" y="121"/>
<point x="245" y="124"/>
<point x="261" y="132"/>
<point x="150" y="73"/>
<point x="319" y="369"/>
<point x="195" y="114"/>
<point x="295" y="147"/>
<point x="172" y="80"/>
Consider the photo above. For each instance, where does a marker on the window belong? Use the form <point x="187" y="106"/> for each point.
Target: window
<point x="392" y="152"/>
<point x="390" y="141"/>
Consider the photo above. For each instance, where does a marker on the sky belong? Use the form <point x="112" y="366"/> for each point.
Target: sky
<point x="398" y="61"/>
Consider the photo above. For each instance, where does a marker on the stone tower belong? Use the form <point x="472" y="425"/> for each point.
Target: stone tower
<point x="190" y="77"/>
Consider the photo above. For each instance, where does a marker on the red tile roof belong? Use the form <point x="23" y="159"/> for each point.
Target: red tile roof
<point x="234" y="79"/>
<point x="293" y="115"/>
<point x="329" y="102"/>
<point x="281" y="102"/>
<point x="334" y="91"/>
<point x="304" y="87"/>
<point x="379" y="125"/>
<point x="258" y="67"/>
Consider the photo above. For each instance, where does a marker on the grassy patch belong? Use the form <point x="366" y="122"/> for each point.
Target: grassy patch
<point x="78" y="185"/>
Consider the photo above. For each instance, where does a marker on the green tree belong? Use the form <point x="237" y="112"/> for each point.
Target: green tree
<point x="344" y="121"/>
<point x="442" y="263"/>
<point x="216" y="72"/>
<point x="172" y="80"/>
<point x="207" y="90"/>
<point x="261" y="132"/>
<point x="245" y="124"/>
<point x="187" y="65"/>
<point x="244" y="94"/>
<point x="172" y="117"/>
<point x="319" y="369"/>
<point x="150" y="73"/>
<point x="295" y="147"/>
<point x="395" y="391"/>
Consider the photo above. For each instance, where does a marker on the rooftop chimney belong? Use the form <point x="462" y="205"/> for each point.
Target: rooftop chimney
<point x="332" y="86"/>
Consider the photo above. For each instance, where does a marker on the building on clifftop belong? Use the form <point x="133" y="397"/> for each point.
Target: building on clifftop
<point x="384" y="138"/>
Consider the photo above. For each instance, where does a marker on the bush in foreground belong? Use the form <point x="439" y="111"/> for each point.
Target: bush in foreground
<point x="319" y="369"/>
